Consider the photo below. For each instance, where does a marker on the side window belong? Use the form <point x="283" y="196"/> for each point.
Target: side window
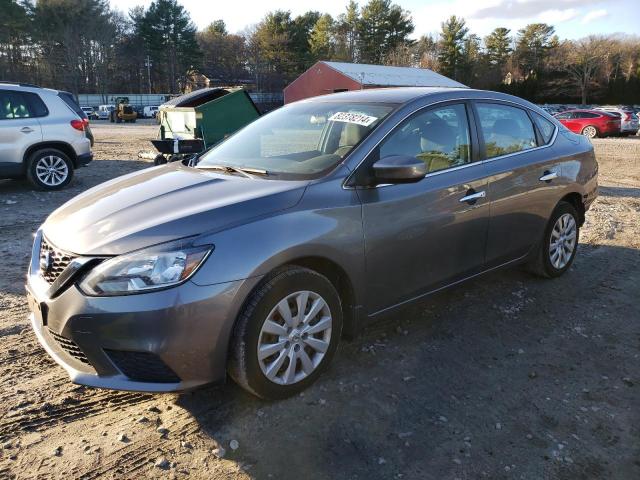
<point x="13" y="105"/>
<point x="545" y="126"/>
<point x="563" y="116"/>
<point x="36" y="105"/>
<point x="439" y="137"/>
<point x="505" y="129"/>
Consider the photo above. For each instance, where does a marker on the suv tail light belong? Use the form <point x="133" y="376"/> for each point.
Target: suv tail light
<point x="78" y="124"/>
<point x="628" y="116"/>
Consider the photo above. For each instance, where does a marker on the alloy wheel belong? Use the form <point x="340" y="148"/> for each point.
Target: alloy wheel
<point x="294" y="337"/>
<point x="563" y="241"/>
<point x="52" y="170"/>
<point x="589" y="131"/>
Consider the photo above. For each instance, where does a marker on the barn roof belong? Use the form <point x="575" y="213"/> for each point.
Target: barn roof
<point x="385" y="76"/>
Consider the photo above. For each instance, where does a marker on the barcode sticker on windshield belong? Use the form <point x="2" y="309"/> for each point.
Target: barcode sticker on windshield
<point x="357" y="118"/>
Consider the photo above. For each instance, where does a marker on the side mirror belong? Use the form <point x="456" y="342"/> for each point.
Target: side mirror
<point x="399" y="169"/>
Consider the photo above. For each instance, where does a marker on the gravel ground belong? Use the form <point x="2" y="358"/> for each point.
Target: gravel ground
<point x="508" y="376"/>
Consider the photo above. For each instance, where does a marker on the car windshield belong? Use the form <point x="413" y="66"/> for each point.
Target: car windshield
<point x="298" y="141"/>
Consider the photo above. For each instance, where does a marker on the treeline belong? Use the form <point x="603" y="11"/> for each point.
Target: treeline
<point x="86" y="47"/>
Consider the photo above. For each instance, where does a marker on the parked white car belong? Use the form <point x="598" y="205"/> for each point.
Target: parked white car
<point x="90" y="112"/>
<point x="628" y="120"/>
<point x="43" y="135"/>
<point x="150" y="111"/>
<point x="104" y="111"/>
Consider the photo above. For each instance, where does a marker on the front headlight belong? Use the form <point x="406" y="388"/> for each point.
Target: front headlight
<point x="149" y="269"/>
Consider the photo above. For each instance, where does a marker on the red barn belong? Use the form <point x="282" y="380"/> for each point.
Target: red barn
<point x="330" y="77"/>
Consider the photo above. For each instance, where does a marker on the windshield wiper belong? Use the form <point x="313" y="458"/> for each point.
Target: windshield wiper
<point x="247" y="172"/>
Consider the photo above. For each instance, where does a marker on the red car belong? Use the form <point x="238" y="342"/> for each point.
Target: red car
<point x="590" y="123"/>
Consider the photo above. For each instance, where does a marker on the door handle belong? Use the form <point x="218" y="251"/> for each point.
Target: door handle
<point x="548" y="176"/>
<point x="472" y="196"/>
<point x="26" y="129"/>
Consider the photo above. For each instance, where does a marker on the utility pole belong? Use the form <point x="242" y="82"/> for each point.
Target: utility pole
<point x="148" y="64"/>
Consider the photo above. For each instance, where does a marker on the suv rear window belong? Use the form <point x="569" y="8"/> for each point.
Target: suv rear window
<point x="15" y="104"/>
<point x="72" y="104"/>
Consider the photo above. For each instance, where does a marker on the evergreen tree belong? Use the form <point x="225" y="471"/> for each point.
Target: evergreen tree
<point x="498" y="46"/>
<point x="170" y="38"/>
<point x="452" y="39"/>
<point x="321" y="39"/>
<point x="534" y="43"/>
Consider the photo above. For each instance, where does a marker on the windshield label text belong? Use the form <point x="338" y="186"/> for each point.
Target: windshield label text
<point x="357" y="118"/>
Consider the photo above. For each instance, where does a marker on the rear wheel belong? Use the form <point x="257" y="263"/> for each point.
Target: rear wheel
<point x="49" y="169"/>
<point x="287" y="334"/>
<point x="560" y="243"/>
<point x="590" y="131"/>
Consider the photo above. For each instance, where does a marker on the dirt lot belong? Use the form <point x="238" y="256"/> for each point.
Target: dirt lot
<point x="508" y="376"/>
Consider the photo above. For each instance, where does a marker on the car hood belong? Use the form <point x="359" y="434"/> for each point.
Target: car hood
<point x="161" y="204"/>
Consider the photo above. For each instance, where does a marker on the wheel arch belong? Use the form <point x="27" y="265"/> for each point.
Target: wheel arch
<point x="62" y="146"/>
<point x="341" y="282"/>
<point x="338" y="277"/>
<point x="575" y="199"/>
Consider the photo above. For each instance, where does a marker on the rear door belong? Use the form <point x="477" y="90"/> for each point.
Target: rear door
<point x="522" y="169"/>
<point x="571" y="121"/>
<point x="424" y="235"/>
<point x="19" y="127"/>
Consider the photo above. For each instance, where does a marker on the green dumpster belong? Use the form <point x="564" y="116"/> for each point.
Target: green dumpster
<point x="208" y="115"/>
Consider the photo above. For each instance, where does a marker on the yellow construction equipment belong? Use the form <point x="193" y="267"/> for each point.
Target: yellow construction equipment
<point x="123" y="111"/>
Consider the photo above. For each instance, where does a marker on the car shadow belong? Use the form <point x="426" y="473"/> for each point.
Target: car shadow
<point x="477" y="381"/>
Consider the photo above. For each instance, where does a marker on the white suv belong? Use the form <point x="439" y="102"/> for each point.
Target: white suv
<point x="44" y="135"/>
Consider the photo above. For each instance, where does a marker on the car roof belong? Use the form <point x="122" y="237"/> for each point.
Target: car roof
<point x="27" y="87"/>
<point x="583" y="110"/>
<point x="402" y="95"/>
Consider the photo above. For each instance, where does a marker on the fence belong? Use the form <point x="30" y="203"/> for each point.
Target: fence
<point x="144" y="99"/>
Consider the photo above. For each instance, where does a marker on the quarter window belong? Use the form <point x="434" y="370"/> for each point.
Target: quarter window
<point x="505" y="129"/>
<point x="439" y="137"/>
<point x="545" y="126"/>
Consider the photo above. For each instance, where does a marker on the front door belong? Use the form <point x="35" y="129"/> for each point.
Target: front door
<point x="422" y="236"/>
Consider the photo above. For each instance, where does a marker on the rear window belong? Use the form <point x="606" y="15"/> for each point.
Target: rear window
<point x="72" y="104"/>
<point x="505" y="129"/>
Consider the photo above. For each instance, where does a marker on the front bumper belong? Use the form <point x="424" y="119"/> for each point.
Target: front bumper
<point x="174" y="339"/>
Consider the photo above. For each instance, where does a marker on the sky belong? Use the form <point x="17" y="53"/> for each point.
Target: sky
<point x="572" y="18"/>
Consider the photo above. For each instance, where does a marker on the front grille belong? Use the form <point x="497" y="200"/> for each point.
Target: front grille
<point x="51" y="268"/>
<point x="70" y="347"/>
<point x="142" y="366"/>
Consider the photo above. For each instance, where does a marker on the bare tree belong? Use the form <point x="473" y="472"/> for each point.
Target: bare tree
<point x="584" y="60"/>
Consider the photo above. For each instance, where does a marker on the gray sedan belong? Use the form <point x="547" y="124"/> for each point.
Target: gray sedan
<point x="298" y="230"/>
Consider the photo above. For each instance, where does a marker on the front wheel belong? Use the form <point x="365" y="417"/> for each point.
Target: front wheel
<point x="590" y="131"/>
<point x="287" y="334"/>
<point x="560" y="243"/>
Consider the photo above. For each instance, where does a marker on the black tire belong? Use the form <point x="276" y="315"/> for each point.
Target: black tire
<point x="542" y="265"/>
<point x="159" y="160"/>
<point x="244" y="367"/>
<point x="35" y="161"/>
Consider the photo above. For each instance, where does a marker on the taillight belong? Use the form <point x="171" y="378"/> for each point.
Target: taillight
<point x="78" y="124"/>
<point x="627" y="117"/>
